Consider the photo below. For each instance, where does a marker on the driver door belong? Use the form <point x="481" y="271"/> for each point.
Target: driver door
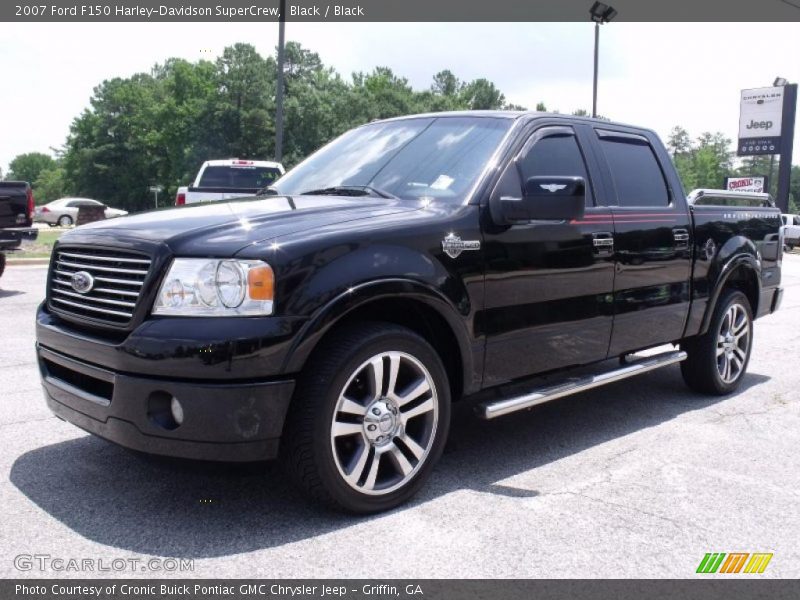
<point x="549" y="284"/>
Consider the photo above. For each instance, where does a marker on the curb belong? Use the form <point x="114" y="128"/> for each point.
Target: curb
<point x="16" y="262"/>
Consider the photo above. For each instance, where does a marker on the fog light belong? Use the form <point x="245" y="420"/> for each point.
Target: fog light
<point x="177" y="410"/>
<point x="164" y="410"/>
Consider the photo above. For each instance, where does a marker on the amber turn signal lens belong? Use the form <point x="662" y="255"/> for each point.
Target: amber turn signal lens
<point x="260" y="283"/>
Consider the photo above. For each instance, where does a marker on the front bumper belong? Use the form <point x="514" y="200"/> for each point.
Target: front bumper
<point x="221" y="421"/>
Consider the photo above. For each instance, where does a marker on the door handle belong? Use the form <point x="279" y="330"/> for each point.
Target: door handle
<point x="603" y="241"/>
<point x="681" y="237"/>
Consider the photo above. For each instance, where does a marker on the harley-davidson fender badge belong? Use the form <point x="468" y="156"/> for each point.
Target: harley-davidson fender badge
<point x="454" y="245"/>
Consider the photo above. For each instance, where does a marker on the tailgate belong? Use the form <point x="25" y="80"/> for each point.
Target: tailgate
<point x="208" y="194"/>
<point x="13" y="204"/>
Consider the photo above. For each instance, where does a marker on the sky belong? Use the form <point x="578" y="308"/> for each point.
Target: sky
<point x="655" y="75"/>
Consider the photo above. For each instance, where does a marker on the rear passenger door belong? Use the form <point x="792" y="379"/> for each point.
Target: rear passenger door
<point x="652" y="241"/>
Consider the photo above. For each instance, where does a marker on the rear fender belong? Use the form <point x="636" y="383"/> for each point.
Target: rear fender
<point x="738" y="253"/>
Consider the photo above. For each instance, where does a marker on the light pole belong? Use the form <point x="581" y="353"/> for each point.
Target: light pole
<point x="279" y="83"/>
<point x="601" y="13"/>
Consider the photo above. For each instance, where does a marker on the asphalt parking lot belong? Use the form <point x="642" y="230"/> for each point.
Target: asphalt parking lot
<point x="638" y="479"/>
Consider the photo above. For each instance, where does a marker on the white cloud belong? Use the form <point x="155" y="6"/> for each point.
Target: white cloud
<point x="656" y="75"/>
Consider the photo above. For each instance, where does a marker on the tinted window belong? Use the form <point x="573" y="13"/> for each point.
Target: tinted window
<point x="238" y="177"/>
<point x="556" y="155"/>
<point x="636" y="174"/>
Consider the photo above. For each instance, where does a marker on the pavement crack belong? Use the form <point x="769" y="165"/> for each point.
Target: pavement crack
<point x="680" y="524"/>
<point x="50" y="418"/>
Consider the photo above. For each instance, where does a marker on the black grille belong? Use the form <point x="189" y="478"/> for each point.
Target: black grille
<point x="116" y="280"/>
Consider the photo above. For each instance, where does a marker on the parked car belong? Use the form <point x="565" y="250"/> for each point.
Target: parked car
<point x="16" y="213"/>
<point x="228" y="179"/>
<point x="64" y="212"/>
<point x="409" y="264"/>
<point x="791" y="230"/>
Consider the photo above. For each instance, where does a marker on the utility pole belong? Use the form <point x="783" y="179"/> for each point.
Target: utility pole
<point x="596" y="60"/>
<point x="279" y="83"/>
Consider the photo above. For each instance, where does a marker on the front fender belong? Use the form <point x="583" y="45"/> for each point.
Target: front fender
<point x="360" y="295"/>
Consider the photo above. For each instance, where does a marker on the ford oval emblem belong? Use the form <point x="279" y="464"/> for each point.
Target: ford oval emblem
<point x="82" y="282"/>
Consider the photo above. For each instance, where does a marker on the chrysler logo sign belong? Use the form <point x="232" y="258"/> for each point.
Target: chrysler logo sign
<point x="82" y="282"/>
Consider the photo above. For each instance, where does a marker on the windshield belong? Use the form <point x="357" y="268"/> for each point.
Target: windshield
<point x="238" y="177"/>
<point x="438" y="157"/>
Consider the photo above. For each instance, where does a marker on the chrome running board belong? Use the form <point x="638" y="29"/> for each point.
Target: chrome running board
<point x="498" y="408"/>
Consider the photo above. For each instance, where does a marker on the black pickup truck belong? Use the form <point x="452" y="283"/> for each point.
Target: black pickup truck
<point x="409" y="264"/>
<point x="16" y="217"/>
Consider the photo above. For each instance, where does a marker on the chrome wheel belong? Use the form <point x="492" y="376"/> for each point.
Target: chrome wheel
<point x="733" y="343"/>
<point x="384" y="423"/>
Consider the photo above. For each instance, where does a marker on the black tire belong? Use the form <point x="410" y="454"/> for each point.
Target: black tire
<point x="310" y="452"/>
<point x="703" y="369"/>
<point x="2" y="263"/>
<point x="65" y="221"/>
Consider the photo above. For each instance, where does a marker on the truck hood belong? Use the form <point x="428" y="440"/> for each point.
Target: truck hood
<point x="224" y="228"/>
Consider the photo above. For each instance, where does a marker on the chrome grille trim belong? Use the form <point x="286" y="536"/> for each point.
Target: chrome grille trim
<point x="121" y="292"/>
<point x="119" y="277"/>
<point x="143" y="261"/>
<point x="101" y="310"/>
<point x="81" y="266"/>
<point x="103" y="279"/>
<point x="103" y="300"/>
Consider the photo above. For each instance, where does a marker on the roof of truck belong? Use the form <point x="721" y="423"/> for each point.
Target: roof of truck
<point x="515" y="114"/>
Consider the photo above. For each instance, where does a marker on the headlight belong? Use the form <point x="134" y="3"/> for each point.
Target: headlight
<point x="202" y="287"/>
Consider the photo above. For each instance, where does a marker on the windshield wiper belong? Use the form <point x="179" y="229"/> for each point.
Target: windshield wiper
<point x="350" y="190"/>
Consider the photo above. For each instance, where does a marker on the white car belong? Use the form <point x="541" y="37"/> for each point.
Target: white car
<point x="791" y="230"/>
<point x="64" y="212"/>
<point x="229" y="178"/>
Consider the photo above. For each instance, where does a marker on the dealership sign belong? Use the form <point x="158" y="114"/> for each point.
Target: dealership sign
<point x="756" y="183"/>
<point x="760" y="116"/>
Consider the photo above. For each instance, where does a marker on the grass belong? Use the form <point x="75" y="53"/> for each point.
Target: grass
<point x="41" y="247"/>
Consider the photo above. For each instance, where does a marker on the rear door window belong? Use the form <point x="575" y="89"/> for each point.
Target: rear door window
<point x="635" y="172"/>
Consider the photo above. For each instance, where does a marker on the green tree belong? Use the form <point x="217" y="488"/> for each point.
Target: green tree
<point x="481" y="94"/>
<point x="794" y="191"/>
<point x="446" y="84"/>
<point x="26" y="167"/>
<point x="158" y="127"/>
<point x="245" y="103"/>
<point x="51" y="185"/>
<point x="679" y="142"/>
<point x="702" y="163"/>
<point x="113" y="152"/>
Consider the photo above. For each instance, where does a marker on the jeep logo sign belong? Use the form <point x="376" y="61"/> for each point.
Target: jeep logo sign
<point x="760" y="125"/>
<point x="760" y="116"/>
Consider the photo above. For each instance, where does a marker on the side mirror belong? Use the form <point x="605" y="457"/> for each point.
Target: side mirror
<point x="546" y="199"/>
